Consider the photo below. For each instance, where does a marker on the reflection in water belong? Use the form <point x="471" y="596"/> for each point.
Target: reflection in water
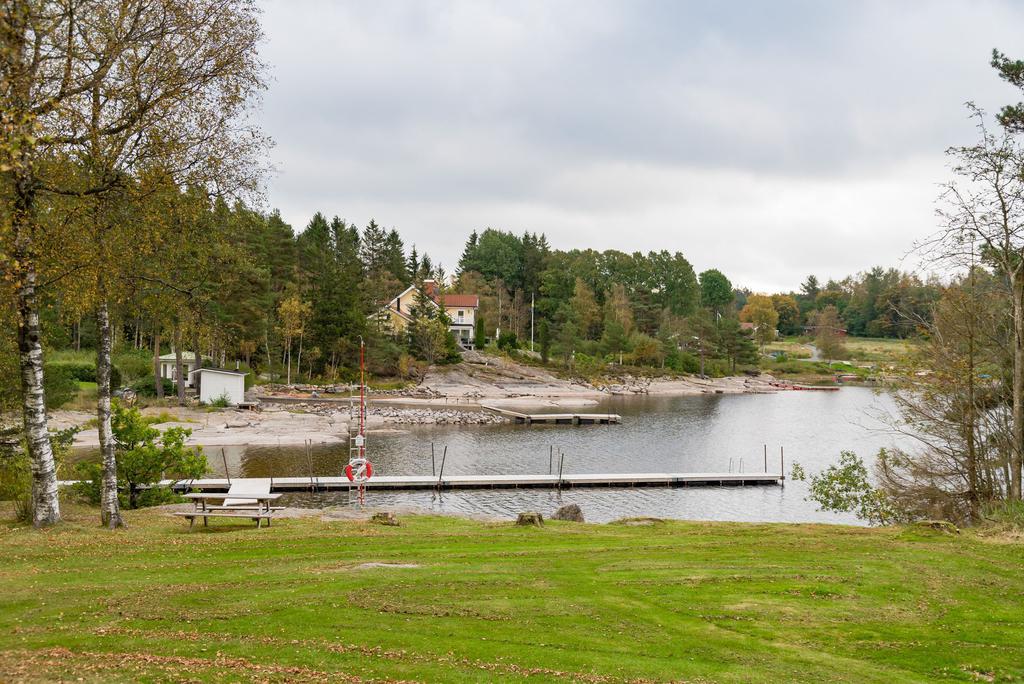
<point x="658" y="434"/>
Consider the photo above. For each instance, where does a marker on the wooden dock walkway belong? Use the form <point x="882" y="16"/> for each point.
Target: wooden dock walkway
<point x="567" y="481"/>
<point x="556" y="418"/>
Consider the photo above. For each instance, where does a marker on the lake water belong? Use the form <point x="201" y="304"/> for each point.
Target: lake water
<point x="702" y="433"/>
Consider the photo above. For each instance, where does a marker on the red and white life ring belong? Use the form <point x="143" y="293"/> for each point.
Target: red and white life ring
<point x="359" y="470"/>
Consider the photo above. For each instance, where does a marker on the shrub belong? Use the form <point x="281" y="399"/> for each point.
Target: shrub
<point x="646" y="350"/>
<point x="508" y="342"/>
<point x="133" y="364"/>
<point x="845" y="488"/>
<point x="144" y="457"/>
<point x="683" y="362"/>
<point x="77" y="370"/>
<point x="82" y="371"/>
<point x="59" y="385"/>
<point x="16" y="467"/>
<point x="223" y="401"/>
<point x="145" y="387"/>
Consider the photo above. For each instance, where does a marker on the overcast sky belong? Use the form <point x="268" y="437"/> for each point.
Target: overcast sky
<point x="767" y="139"/>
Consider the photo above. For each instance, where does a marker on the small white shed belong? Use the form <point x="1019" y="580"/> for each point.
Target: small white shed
<point x="215" y="383"/>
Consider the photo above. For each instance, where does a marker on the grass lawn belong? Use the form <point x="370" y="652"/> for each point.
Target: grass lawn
<point x="492" y="602"/>
<point x="879" y="350"/>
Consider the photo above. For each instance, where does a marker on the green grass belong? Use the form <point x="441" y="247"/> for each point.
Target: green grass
<point x="491" y="602"/>
<point x="71" y="356"/>
<point x="885" y="351"/>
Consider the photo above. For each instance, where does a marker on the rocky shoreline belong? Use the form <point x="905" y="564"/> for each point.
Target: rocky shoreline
<point x="453" y="395"/>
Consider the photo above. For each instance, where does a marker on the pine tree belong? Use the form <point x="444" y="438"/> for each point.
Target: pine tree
<point x="468" y="261"/>
<point x="372" y="248"/>
<point x="393" y="258"/>
<point x="412" y="265"/>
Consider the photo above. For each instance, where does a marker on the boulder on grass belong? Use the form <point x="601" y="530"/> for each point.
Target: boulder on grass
<point x="530" y="518"/>
<point x="570" y="512"/>
<point x="385" y="518"/>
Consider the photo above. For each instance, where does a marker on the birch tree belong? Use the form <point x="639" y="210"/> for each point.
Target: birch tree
<point x="293" y="313"/>
<point x="39" y="76"/>
<point x="113" y="88"/>
<point x="170" y="62"/>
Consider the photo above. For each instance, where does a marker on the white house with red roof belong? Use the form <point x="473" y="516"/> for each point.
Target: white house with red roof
<point x="460" y="308"/>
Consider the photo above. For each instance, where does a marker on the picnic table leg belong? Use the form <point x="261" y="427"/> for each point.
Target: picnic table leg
<point x="191" y="523"/>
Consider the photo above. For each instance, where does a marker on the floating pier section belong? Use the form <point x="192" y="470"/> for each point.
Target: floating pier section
<point x="414" y="482"/>
<point x="556" y="418"/>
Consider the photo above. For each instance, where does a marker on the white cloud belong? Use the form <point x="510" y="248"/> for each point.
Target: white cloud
<point x="768" y="140"/>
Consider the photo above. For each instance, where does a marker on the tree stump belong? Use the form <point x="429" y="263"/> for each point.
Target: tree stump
<point x="385" y="518"/>
<point x="530" y="518"/>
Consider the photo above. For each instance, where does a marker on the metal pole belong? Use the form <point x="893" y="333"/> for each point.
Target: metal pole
<point x="561" y="461"/>
<point x="532" y="296"/>
<point x="440" y="475"/>
<point x="226" y="474"/>
<point x="362" y="398"/>
<point x="766" y="458"/>
<point x="551" y="456"/>
<point x="433" y="470"/>
<point x="782" y="462"/>
<point x="309" y="463"/>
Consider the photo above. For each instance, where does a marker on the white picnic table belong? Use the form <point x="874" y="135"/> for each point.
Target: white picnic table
<point x="233" y="504"/>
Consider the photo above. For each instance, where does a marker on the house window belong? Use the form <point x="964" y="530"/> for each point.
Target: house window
<point x="461" y="314"/>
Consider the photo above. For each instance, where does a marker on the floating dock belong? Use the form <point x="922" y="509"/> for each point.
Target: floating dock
<point x="556" y="418"/>
<point x="414" y="482"/>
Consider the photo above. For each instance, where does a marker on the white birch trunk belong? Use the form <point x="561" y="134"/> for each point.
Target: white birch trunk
<point x="110" y="509"/>
<point x="45" y="503"/>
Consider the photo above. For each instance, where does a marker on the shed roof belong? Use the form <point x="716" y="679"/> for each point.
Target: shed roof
<point x="185" y="356"/>
<point x="225" y="371"/>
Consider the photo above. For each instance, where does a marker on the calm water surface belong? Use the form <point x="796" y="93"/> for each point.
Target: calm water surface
<point x="678" y="434"/>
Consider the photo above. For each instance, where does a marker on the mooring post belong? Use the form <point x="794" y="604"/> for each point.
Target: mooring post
<point x="766" y="458"/>
<point x="561" y="461"/>
<point x="551" y="456"/>
<point x="433" y="470"/>
<point x="440" y="475"/>
<point x="309" y="464"/>
<point x="782" y="464"/>
<point x="225" y="459"/>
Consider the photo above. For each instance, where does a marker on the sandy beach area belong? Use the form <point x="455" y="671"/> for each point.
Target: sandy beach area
<point x="451" y="395"/>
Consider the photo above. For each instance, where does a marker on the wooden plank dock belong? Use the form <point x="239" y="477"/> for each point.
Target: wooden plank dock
<point x="556" y="418"/>
<point x="567" y="481"/>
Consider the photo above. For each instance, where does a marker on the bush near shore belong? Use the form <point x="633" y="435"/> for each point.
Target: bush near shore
<point x="449" y="600"/>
